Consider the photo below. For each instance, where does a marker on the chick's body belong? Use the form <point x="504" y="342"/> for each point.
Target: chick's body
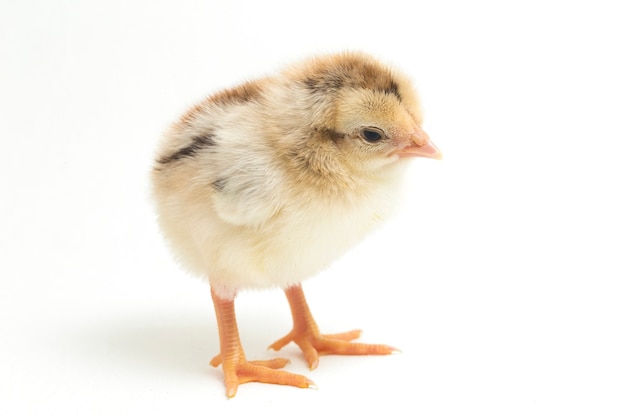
<point x="265" y="184"/>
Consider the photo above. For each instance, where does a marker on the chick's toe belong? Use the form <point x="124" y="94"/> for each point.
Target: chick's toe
<point x="306" y="335"/>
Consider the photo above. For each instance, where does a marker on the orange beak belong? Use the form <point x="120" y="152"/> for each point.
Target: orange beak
<point x="420" y="145"/>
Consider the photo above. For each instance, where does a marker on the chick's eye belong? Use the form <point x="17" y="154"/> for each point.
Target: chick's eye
<point x="371" y="134"/>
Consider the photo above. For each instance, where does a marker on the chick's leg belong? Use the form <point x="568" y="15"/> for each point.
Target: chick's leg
<point x="306" y="334"/>
<point x="238" y="370"/>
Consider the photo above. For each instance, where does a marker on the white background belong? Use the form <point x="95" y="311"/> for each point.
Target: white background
<point x="501" y="279"/>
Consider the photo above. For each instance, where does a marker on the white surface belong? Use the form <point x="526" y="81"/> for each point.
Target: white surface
<point x="502" y="280"/>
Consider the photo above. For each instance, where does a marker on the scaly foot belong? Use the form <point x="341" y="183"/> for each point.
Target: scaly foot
<point x="307" y="336"/>
<point x="237" y="370"/>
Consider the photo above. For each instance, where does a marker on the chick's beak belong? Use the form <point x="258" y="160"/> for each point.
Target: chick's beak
<point x="420" y="145"/>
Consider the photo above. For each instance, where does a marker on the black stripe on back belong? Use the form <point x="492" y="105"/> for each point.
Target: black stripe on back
<point x="197" y="143"/>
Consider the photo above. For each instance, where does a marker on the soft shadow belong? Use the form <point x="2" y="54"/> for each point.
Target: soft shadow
<point x="149" y="344"/>
<point x="171" y="345"/>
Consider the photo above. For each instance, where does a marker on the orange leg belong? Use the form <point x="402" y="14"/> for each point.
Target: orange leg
<point x="238" y="370"/>
<point x="306" y="334"/>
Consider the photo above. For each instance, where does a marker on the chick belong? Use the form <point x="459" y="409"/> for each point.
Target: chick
<point x="265" y="184"/>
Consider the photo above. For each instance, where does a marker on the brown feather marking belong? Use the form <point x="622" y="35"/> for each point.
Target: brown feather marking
<point x="353" y="73"/>
<point x="238" y="95"/>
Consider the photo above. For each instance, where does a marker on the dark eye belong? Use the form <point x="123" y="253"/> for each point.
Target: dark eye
<point x="371" y="134"/>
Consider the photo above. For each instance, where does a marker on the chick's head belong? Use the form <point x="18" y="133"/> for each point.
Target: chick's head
<point x="374" y="112"/>
<point x="380" y="129"/>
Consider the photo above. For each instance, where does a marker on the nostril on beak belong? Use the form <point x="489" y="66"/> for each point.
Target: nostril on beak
<point x="420" y="138"/>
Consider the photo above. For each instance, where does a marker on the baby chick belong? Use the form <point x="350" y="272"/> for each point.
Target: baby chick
<point x="265" y="184"/>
